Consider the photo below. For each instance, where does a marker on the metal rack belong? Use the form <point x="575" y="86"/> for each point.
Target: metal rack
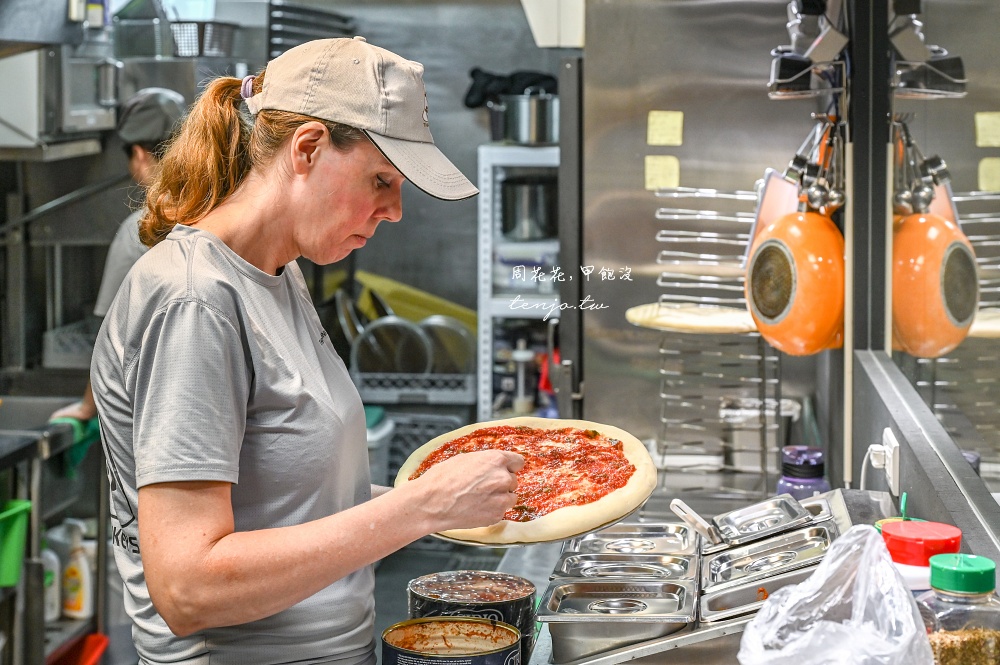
<point x="720" y="393"/>
<point x="961" y="387"/>
<point x="27" y="452"/>
<point x="495" y="160"/>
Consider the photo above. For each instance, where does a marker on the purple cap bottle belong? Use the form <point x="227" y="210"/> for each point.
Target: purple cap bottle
<point x="802" y="471"/>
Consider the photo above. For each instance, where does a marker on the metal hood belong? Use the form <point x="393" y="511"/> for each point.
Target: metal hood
<point x="29" y="24"/>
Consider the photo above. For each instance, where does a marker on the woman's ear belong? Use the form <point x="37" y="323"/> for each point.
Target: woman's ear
<point x="308" y="141"/>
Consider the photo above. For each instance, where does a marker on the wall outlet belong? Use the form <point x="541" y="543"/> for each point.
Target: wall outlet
<point x="892" y="452"/>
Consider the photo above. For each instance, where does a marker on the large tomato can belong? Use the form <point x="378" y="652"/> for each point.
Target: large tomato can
<point x="484" y="594"/>
<point x="451" y="641"/>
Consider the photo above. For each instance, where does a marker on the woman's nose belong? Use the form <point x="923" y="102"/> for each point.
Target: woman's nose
<point x="392" y="209"/>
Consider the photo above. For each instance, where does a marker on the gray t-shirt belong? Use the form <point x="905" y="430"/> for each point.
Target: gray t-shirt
<point x="207" y="368"/>
<point x="125" y="250"/>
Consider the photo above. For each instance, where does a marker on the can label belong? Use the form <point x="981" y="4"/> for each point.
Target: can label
<point x="473" y="641"/>
<point x="480" y="594"/>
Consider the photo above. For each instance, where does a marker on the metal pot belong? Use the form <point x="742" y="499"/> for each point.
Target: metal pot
<point x="531" y="118"/>
<point x="529" y="208"/>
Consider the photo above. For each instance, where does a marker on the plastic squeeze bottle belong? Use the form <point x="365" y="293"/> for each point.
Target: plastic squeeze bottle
<point x="77" y="581"/>
<point x="52" y="583"/>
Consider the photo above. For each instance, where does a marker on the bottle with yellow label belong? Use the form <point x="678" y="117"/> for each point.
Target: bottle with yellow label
<point x="77" y="581"/>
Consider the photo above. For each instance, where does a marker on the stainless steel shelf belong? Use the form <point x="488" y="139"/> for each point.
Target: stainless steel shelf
<point x="494" y="160"/>
<point x="62" y="634"/>
<point x="523" y="306"/>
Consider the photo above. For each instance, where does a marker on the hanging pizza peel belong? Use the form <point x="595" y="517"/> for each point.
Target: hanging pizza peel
<point x="589" y="495"/>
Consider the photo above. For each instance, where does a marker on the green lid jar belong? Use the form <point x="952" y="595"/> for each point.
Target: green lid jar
<point x="963" y="573"/>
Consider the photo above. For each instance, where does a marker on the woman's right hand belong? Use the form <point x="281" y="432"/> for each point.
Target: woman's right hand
<point x="470" y="490"/>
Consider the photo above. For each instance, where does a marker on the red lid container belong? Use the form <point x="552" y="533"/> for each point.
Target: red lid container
<point x="914" y="543"/>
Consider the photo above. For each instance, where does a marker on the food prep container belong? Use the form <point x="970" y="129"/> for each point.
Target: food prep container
<point x="818" y="507"/>
<point x="528" y="119"/>
<point x="729" y="602"/>
<point x="645" y="538"/>
<point x="788" y="551"/>
<point x="632" y="566"/>
<point x="587" y="617"/>
<point x="744" y="525"/>
<point x="761" y="520"/>
<point x="530" y="208"/>
<point x="484" y="594"/>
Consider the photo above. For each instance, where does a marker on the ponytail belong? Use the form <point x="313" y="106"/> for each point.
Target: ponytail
<point x="204" y="164"/>
<point x="213" y="153"/>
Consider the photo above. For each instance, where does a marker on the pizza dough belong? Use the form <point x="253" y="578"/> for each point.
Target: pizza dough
<point x="691" y="318"/>
<point x="986" y="324"/>
<point x="564" y="522"/>
<point x="733" y="270"/>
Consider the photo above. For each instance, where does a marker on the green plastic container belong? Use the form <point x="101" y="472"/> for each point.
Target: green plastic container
<point x="13" y="533"/>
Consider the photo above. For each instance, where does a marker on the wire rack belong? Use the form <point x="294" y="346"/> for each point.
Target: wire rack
<point x="721" y="410"/>
<point x="963" y="387"/>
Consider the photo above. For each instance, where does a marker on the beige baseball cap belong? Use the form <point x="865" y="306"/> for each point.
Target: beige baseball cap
<point x="352" y="82"/>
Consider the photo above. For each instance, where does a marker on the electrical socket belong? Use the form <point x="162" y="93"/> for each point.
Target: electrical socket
<point x="891" y="447"/>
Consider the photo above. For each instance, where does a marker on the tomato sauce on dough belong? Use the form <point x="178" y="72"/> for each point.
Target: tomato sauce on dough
<point x="562" y="467"/>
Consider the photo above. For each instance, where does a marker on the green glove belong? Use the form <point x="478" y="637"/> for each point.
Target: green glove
<point x="85" y="433"/>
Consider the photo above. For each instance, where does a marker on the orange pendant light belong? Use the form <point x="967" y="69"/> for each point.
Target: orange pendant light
<point x="935" y="287"/>
<point x="795" y="283"/>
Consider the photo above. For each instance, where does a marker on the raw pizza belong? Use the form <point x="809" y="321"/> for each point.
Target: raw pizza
<point x="577" y="476"/>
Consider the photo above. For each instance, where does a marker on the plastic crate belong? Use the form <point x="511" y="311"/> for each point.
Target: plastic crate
<point x="413" y="430"/>
<point x="87" y="651"/>
<point x="203" y="38"/>
<point x="416" y="388"/>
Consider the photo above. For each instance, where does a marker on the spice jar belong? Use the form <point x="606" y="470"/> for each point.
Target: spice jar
<point x="962" y="611"/>
<point x="802" y="472"/>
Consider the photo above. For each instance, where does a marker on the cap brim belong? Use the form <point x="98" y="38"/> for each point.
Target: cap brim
<point x="426" y="167"/>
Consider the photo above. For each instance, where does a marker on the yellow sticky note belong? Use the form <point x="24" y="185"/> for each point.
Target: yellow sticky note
<point x="989" y="174"/>
<point x="665" y="128"/>
<point x="662" y="171"/>
<point x="988" y="130"/>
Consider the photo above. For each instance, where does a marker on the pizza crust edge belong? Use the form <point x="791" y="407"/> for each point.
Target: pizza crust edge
<point x="565" y="522"/>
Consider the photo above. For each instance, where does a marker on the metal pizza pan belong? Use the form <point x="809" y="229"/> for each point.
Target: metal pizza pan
<point x="475" y="543"/>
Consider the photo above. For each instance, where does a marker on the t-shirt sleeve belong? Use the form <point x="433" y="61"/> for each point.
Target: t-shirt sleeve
<point x="192" y="384"/>
<point x="125" y="250"/>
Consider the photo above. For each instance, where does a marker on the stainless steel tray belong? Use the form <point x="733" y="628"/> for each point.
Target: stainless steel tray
<point x="734" y="601"/>
<point x="587" y="617"/>
<point x="632" y="566"/>
<point x="762" y="520"/>
<point x="765" y="558"/>
<point x="576" y="600"/>
<point x="644" y="538"/>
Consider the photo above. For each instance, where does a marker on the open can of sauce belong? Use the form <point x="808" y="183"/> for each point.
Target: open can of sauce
<point x="484" y="594"/>
<point x="451" y="641"/>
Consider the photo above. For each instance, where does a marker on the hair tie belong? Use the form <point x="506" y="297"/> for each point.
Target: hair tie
<point x="246" y="88"/>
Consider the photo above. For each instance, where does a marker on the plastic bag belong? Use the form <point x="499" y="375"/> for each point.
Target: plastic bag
<point x="855" y="608"/>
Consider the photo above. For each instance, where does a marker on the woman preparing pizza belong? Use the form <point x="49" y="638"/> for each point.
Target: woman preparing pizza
<point x="243" y="518"/>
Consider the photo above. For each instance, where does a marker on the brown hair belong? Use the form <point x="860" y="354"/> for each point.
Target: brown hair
<point x="215" y="149"/>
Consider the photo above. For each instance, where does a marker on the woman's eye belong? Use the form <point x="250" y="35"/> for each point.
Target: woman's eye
<point x="381" y="182"/>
